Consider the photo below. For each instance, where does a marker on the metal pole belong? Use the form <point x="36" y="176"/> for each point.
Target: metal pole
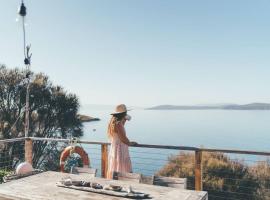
<point x="27" y="62"/>
<point x="26" y="128"/>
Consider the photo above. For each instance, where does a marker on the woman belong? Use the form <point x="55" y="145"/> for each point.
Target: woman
<point x="119" y="160"/>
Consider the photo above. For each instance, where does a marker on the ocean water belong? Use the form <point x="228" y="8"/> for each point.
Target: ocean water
<point x="226" y="129"/>
<point x="248" y="130"/>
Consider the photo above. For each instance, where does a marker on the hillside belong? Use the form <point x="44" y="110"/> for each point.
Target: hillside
<point x="251" y="106"/>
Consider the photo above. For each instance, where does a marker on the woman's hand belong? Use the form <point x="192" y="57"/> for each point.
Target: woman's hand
<point x="133" y="143"/>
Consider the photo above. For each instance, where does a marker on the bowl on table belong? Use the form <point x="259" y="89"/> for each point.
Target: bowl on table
<point x="96" y="186"/>
<point x="116" y="188"/>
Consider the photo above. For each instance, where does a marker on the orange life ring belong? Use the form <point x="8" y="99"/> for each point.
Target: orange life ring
<point x="74" y="149"/>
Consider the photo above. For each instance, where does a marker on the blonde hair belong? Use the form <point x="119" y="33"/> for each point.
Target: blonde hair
<point x="113" y="122"/>
<point x="112" y="127"/>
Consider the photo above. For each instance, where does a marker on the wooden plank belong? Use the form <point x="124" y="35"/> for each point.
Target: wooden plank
<point x="83" y="170"/>
<point x="258" y="153"/>
<point x="166" y="147"/>
<point x="198" y="170"/>
<point x="134" y="177"/>
<point x="43" y="186"/>
<point x="262" y="153"/>
<point x="122" y="193"/>
<point x="104" y="160"/>
<point x="147" y="180"/>
<point x="15" y="176"/>
<point x="170" y="182"/>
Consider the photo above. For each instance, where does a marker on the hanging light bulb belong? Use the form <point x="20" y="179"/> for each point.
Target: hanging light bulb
<point x="22" y="10"/>
<point x="22" y="13"/>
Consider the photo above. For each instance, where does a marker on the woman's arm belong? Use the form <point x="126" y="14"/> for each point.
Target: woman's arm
<point x="122" y="134"/>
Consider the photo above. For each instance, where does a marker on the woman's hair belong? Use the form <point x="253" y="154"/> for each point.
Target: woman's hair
<point x="116" y="118"/>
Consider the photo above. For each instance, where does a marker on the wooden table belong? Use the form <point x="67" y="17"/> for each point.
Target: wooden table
<point x="43" y="187"/>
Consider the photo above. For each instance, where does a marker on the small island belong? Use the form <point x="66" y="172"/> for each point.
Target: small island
<point x="251" y="106"/>
<point x="85" y="118"/>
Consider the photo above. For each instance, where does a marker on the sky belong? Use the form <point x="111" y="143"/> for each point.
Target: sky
<point x="145" y="52"/>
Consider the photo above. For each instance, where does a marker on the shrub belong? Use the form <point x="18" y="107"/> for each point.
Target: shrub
<point x="2" y="174"/>
<point x="222" y="176"/>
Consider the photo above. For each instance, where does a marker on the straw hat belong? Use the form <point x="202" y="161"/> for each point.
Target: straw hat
<point x="120" y="109"/>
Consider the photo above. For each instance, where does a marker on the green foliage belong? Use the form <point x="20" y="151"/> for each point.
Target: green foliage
<point x="223" y="177"/>
<point x="53" y="112"/>
<point x="2" y="174"/>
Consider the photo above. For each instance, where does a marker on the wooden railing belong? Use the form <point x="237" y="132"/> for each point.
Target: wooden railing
<point x="104" y="154"/>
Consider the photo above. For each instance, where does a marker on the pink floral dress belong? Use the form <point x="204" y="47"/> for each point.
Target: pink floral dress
<point x="119" y="159"/>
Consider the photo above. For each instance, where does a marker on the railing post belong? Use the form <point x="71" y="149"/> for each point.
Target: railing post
<point x="198" y="170"/>
<point x="104" y="160"/>
<point x="28" y="150"/>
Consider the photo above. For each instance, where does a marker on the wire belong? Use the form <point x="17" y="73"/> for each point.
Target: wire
<point x="24" y="38"/>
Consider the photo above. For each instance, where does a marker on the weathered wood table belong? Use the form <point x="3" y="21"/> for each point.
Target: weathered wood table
<point x="43" y="186"/>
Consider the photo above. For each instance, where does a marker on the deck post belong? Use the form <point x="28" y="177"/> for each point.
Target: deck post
<point x="104" y="160"/>
<point x="198" y="170"/>
<point x="28" y="150"/>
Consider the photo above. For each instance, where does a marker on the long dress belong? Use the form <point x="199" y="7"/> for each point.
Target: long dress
<point x="119" y="159"/>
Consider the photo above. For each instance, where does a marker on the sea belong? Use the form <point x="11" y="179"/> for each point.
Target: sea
<point x="223" y="129"/>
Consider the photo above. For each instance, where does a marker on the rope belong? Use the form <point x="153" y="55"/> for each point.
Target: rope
<point x="73" y="142"/>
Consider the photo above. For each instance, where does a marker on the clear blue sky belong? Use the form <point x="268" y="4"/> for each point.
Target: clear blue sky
<point x="146" y="52"/>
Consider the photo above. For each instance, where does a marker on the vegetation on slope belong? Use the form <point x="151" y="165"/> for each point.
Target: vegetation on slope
<point x="223" y="178"/>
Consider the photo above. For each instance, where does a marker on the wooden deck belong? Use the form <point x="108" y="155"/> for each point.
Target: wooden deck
<point x="43" y="187"/>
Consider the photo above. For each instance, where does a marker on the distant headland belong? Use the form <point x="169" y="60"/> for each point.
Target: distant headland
<point x="85" y="118"/>
<point x="251" y="106"/>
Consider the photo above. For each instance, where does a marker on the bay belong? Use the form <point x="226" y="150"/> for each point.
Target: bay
<point x="225" y="129"/>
